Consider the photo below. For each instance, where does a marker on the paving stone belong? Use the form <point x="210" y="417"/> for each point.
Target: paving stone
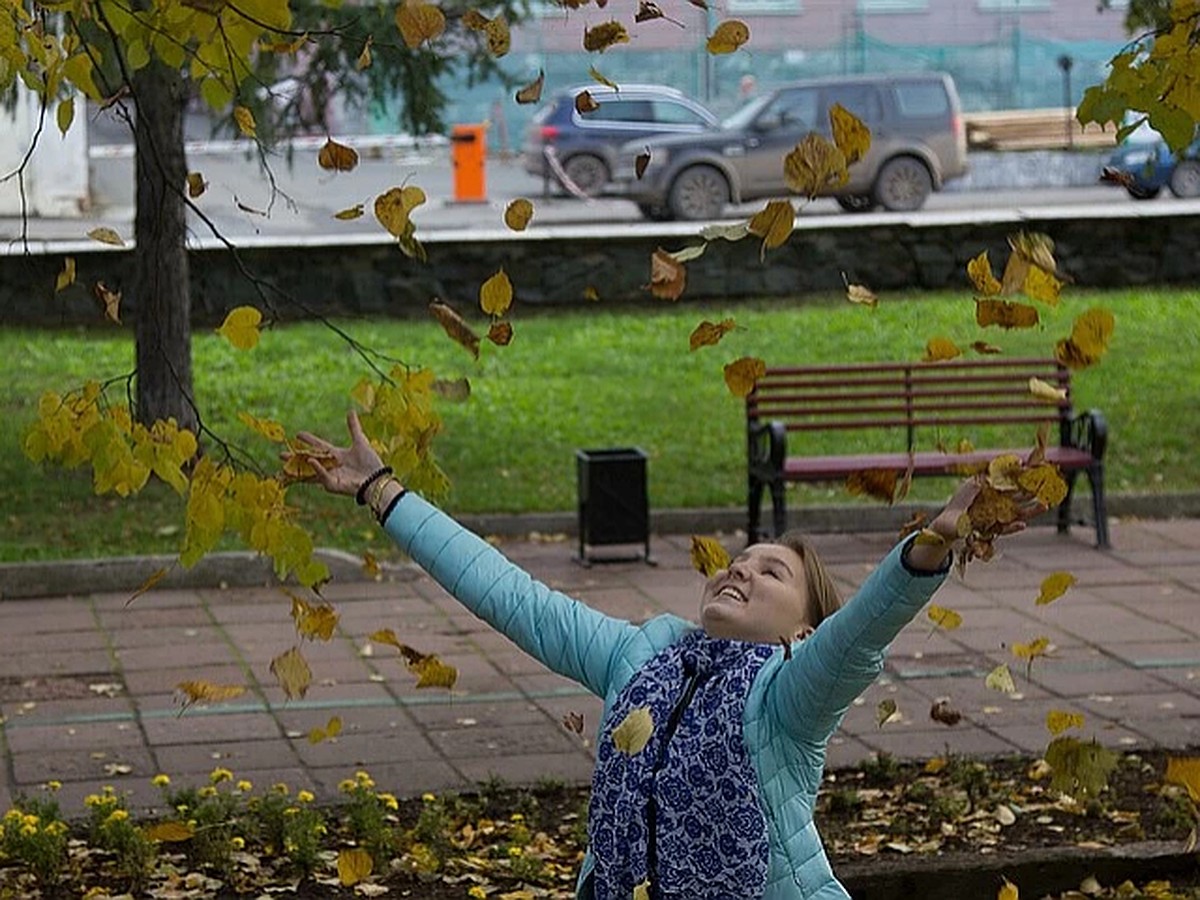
<point x="136" y="617"/>
<point x="201" y="757"/>
<point x="845" y="751"/>
<point x="125" y="638"/>
<point x="404" y="779"/>
<point x="1104" y="622"/>
<point x="157" y="600"/>
<point x="83" y="709"/>
<point x="21" y="666"/>
<point x="212" y="726"/>
<point x="163" y="680"/>
<point x="28" y="737"/>
<point x="1154" y="655"/>
<point x="1034" y="739"/>
<point x="43" y="765"/>
<point x="190" y="653"/>
<point x="528" y="768"/>
<point x="919" y="745"/>
<point x="364" y="750"/>
<point x="57" y="642"/>
<point x="500" y="740"/>
<point x="45" y="616"/>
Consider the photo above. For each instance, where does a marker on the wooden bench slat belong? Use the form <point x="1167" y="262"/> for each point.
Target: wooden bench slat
<point x="827" y="468"/>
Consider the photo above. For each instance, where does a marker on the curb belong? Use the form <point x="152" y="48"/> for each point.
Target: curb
<point x="58" y="578"/>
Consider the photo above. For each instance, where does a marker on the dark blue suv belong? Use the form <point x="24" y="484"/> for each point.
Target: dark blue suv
<point x="1144" y="165"/>
<point x="563" y="144"/>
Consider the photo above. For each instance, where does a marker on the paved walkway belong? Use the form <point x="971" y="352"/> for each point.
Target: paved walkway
<point x="86" y="683"/>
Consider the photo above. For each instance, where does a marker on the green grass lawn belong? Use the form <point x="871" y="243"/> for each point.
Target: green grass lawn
<point x="581" y="378"/>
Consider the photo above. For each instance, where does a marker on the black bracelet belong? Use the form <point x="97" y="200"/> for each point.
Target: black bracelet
<point x="391" y="505"/>
<point x="360" y="496"/>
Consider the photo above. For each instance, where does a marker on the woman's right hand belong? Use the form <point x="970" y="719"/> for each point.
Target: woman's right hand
<point x="342" y="470"/>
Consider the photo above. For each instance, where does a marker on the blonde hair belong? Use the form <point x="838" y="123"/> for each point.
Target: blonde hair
<point x="823" y="598"/>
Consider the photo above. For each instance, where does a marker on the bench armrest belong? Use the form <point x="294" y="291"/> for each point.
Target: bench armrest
<point x="1089" y="431"/>
<point x="767" y="447"/>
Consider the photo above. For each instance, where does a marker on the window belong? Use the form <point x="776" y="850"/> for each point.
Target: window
<point x="671" y="113"/>
<point x="764" y="7"/>
<point x="1014" y="5"/>
<point x="898" y="6"/>
<point x="793" y="110"/>
<point x="622" y="111"/>
<point x="860" y="99"/>
<point x="922" y="98"/>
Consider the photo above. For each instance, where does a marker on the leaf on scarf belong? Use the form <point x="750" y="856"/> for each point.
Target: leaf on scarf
<point x="632" y="735"/>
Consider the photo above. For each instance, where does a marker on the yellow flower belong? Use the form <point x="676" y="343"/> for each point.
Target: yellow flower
<point x="514" y="851"/>
<point x="31" y="819"/>
<point x="53" y="785"/>
<point x="245" y="786"/>
<point x="118" y="815"/>
<point x="477" y="893"/>
<point x="207" y="791"/>
<point x="161" y="780"/>
<point x="389" y="801"/>
<point x="280" y="787"/>
<point x="220" y="774"/>
<point x="28" y="830"/>
<point x="428" y="798"/>
<point x="57" y="828"/>
<point x="239" y="843"/>
<point x="346" y="785"/>
<point x="320" y="828"/>
<point x="92" y="800"/>
<point x="13" y="814"/>
<point x="97" y="893"/>
<point x="364" y="780"/>
<point x="304" y="797"/>
<point x="291" y="811"/>
<point x="516" y="817"/>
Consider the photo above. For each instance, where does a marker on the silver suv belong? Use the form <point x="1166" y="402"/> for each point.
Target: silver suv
<point x="918" y="142"/>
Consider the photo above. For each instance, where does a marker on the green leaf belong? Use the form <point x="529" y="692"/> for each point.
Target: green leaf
<point x="1175" y="125"/>
<point x="65" y="115"/>
<point x="215" y="94"/>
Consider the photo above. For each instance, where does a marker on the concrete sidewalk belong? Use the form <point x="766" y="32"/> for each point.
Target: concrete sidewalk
<point x="86" y="683"/>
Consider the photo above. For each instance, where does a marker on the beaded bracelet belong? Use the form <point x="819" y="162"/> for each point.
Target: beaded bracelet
<point x="360" y="496"/>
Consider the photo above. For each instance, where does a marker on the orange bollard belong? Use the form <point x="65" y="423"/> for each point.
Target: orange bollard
<point x="468" y="156"/>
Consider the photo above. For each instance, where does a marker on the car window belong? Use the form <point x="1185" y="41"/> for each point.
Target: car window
<point x="622" y="111"/>
<point x="918" y="99"/>
<point x="671" y="113"/>
<point x="794" y="109"/>
<point x="860" y="99"/>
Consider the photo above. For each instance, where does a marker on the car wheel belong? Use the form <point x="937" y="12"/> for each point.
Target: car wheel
<point x="655" y="212"/>
<point x="700" y="192"/>
<point x="589" y="173"/>
<point x="903" y="184"/>
<point x="1185" y="180"/>
<point x="856" y="202"/>
<point x="1142" y="193"/>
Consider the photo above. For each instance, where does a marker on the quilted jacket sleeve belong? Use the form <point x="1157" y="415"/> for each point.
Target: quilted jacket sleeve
<point x="562" y="633"/>
<point x="845" y="654"/>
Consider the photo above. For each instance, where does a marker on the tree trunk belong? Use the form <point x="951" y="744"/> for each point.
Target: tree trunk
<point x="160" y="283"/>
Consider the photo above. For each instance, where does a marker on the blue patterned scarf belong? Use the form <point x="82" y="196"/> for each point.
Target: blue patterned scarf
<point x="710" y="839"/>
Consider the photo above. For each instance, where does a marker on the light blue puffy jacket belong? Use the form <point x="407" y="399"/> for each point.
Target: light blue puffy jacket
<point x="792" y="709"/>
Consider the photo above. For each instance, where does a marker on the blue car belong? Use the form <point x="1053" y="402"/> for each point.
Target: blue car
<point x="1144" y="165"/>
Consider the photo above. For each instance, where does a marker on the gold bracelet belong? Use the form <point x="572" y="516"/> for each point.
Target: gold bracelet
<point x="375" y="494"/>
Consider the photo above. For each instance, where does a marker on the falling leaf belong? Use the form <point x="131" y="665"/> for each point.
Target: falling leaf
<point x="1079" y="769"/>
<point x="109" y="300"/>
<point x="458" y="330"/>
<point x="1054" y="586"/>
<point x="591" y="294"/>
<point x="668" y="277"/>
<point x="106" y="235"/>
<point x="313" y="621"/>
<point x="292" y="672"/>
<point x="640" y="162"/>
<point x="979" y="270"/>
<point x="353" y="865"/>
<point x="245" y="121"/>
<point x="1005" y="314"/>
<point x="734" y="232"/>
<point x="419" y="22"/>
<point x="1035" y="248"/>
<point x="727" y="37"/>
<point x="240" y="327"/>
<point x="532" y="92"/>
<point x="66" y="277"/>
<point x="1058" y="721"/>
<point x="585" y="103"/>
<point x="1045" y="483"/>
<point x="386" y="636"/>
<point x="983" y="348"/>
<point x="1089" y="339"/>
<point x="1031" y="651"/>
<point x="337" y="157"/>
<point x="1003" y="472"/>
<point x="877" y="483"/>
<point x="885" y="711"/>
<point x="430" y="671"/>
<point x="196" y="185"/>
<point x="742" y="374"/>
<point x="1015" y="271"/>
<point x="687" y="254"/>
<point x="350" y="212"/>
<point x="708" y="334"/>
<point x="944" y="618"/>
<point x="364" y="58"/>
<point x="500" y="334"/>
<point x="207" y="692"/>
<point x="634" y="732"/>
<point x="641" y="890"/>
<point x="596" y="76"/>
<point x="393" y="206"/>
<point x="1046" y="391"/>
<point x="456" y="391"/>
<point x="600" y="37"/>
<point x="64" y="115"/>
<point x="860" y="294"/>
<point x="268" y="428"/>
<point x="1008" y="891"/>
<point x="499" y="39"/>
<point x="370" y="566"/>
<point x="939" y="349"/>
<point x="1184" y="771"/>
<point x="496" y="294"/>
<point x="708" y="556"/>
<point x="1041" y="285"/>
<point x="813" y="166"/>
<point x="774" y="224"/>
<point x="518" y="213"/>
<point x="850" y="135"/>
<point x="573" y="722"/>
<point x="148" y="585"/>
<point x="172" y="832"/>
<point x="1000" y="679"/>
<point x="331" y="730"/>
<point x="942" y="711"/>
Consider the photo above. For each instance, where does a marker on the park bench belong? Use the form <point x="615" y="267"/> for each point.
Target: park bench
<point x="1032" y="129"/>
<point x="917" y="406"/>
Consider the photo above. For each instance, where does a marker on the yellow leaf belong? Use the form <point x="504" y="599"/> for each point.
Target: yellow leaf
<point x="983" y="348"/>
<point x="431" y="671"/>
<point x="1000" y="679"/>
<point x="350" y="212"/>
<point x="708" y="334"/>
<point x="518" y="213"/>
<point x="475" y="20"/>
<point x="419" y="22"/>
<point x="1031" y="651"/>
<point x="337" y="157"/>
<point x="196" y="185"/>
<point x="1046" y="483"/>
<point x="877" y="483"/>
<point x="727" y="37"/>
<point x="773" y="223"/>
<point x="269" y="429"/>
<point x="596" y="76"/>
<point x="393" y="206"/>
<point x="939" y="349"/>
<point x="331" y="730"/>
<point x="66" y="277"/>
<point x="813" y="166"/>
<point x="861" y="295"/>
<point x="1035" y="248"/>
<point x="386" y="636"/>
<point x="106" y="235"/>
<point x="590" y="293"/>
<point x="64" y="115"/>
<point x="600" y="37"/>
<point x="207" y="692"/>
<point x="1015" y="271"/>
<point x="668" y="278"/>
<point x="1054" y="586"/>
<point x="292" y="672"/>
<point x="687" y="254"/>
<point x="634" y="732"/>
<point x="708" y="555"/>
<point x="313" y="621"/>
<point x="364" y="58"/>
<point x="498" y="37"/>
<point x="245" y="121"/>
<point x="1058" y="721"/>
<point x="370" y="565"/>
<point x="1005" y="314"/>
<point x="110" y="301"/>
<point x="742" y="374"/>
<point x="850" y="135"/>
<point x="169" y="832"/>
<point x="943" y="617"/>
<point x="532" y="92"/>
<point x="1045" y="391"/>
<point x="1003" y="471"/>
<point x="240" y="327"/>
<point x="641" y="891"/>
<point x="496" y="294"/>
<point x="885" y="711"/>
<point x="353" y="865"/>
<point x="1008" y="891"/>
<point x="455" y="326"/>
<point x="1089" y="339"/>
<point x="151" y="580"/>
<point x="1041" y="285"/>
<point x="935" y="764"/>
<point x="1184" y="771"/>
<point x="979" y="270"/>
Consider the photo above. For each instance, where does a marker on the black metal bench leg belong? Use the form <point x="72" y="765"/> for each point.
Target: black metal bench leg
<point x="778" y="508"/>
<point x="755" y="510"/>
<point x="1099" y="509"/>
<point x="1064" y="508"/>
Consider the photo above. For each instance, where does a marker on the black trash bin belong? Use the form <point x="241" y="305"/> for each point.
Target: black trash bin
<point x="613" y="509"/>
